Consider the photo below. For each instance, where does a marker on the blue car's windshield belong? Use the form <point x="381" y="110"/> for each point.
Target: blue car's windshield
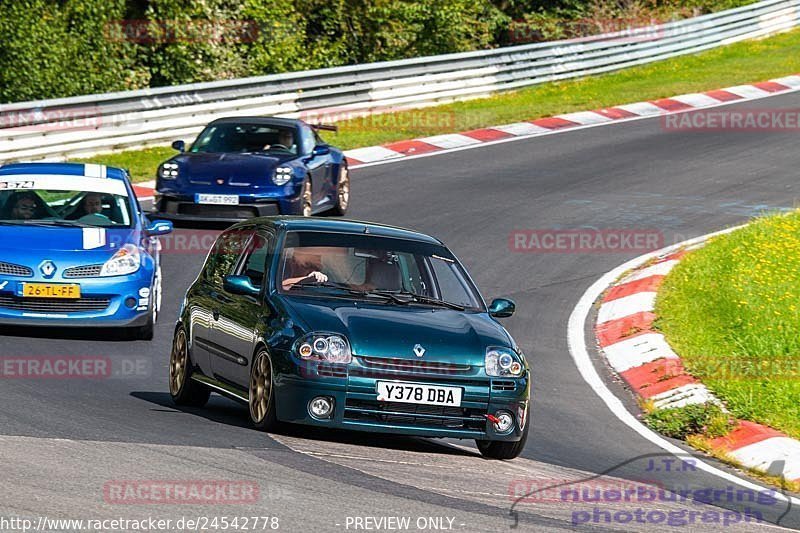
<point x="65" y="208"/>
<point x="404" y="271"/>
<point x="246" y="138"/>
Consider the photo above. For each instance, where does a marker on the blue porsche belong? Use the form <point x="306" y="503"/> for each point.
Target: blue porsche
<point x="76" y="249"/>
<point x="243" y="167"/>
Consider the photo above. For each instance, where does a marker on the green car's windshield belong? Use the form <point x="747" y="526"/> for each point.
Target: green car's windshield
<point x="394" y="270"/>
<point x="66" y="208"/>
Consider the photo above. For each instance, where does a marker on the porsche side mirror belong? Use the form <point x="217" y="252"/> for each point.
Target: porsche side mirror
<point x="179" y="146"/>
<point x="502" y="308"/>
<point x="321" y="149"/>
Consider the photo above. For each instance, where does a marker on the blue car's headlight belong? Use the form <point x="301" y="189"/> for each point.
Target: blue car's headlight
<point x="168" y="171"/>
<point x="325" y="347"/>
<point x="282" y="176"/>
<point x="126" y="261"/>
<point x="503" y="362"/>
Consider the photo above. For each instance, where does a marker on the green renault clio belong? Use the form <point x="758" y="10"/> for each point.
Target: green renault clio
<point x="350" y="325"/>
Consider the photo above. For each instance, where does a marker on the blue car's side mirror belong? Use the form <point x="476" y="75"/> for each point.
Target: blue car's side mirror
<point x="179" y="146"/>
<point x="158" y="227"/>
<point x="240" y="285"/>
<point x="321" y="149"/>
<point x="502" y="308"/>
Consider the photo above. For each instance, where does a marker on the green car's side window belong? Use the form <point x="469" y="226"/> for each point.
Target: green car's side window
<point x="256" y="260"/>
<point x="225" y="255"/>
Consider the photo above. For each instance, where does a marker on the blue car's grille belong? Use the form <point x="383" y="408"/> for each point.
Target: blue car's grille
<point x="415" y="414"/>
<point x="54" y="305"/>
<point x="85" y="271"/>
<point x="10" y="269"/>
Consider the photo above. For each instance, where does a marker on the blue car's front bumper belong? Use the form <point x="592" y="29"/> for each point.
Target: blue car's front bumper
<point x="180" y="203"/>
<point x="117" y="301"/>
<point x="356" y="406"/>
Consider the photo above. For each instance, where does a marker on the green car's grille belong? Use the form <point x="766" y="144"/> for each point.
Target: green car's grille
<point x="415" y="415"/>
<point x="395" y="364"/>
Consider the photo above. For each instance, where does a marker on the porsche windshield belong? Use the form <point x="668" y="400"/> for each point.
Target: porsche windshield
<point x="398" y="271"/>
<point x="56" y="207"/>
<point x="246" y="138"/>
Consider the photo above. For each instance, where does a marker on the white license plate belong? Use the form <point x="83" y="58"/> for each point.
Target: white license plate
<point x="389" y="391"/>
<point x="219" y="199"/>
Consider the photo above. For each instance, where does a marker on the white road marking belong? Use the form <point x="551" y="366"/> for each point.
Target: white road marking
<point x="580" y="355"/>
<point x="640" y="302"/>
<point x="630" y="353"/>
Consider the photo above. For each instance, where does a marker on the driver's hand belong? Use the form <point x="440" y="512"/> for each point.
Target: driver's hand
<point x="318" y="277"/>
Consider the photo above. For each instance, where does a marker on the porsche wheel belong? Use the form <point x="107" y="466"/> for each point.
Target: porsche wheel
<point x="307" y="202"/>
<point x="342" y="192"/>
<point x="261" y="395"/>
<point x="182" y="389"/>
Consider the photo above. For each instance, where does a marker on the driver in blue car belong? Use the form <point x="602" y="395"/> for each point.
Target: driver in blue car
<point x="23" y="206"/>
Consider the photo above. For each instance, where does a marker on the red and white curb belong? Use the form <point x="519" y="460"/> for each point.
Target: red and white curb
<point x="560" y="123"/>
<point x="645" y="361"/>
<point x="437" y="144"/>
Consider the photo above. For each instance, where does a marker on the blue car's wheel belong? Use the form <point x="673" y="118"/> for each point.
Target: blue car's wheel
<point x="342" y="192"/>
<point x="307" y="204"/>
<point x="261" y="393"/>
<point x="182" y="389"/>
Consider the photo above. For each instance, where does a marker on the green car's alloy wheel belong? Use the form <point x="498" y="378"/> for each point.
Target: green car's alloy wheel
<point x="342" y="192"/>
<point x="184" y="391"/>
<point x="307" y="200"/>
<point x="261" y="397"/>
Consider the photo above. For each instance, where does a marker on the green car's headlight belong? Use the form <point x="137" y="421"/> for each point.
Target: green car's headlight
<point x="325" y="347"/>
<point x="503" y="363"/>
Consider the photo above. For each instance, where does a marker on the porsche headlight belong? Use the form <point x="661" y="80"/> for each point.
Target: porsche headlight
<point x="126" y="261"/>
<point x="503" y="362"/>
<point x="282" y="175"/>
<point x="324" y="347"/>
<point x="168" y="171"/>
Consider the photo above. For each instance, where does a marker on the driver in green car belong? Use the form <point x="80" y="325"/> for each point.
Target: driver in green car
<point x="301" y="267"/>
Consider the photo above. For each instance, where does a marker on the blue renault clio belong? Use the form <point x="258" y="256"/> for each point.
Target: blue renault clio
<point x="76" y="249"/>
<point x="350" y="325"/>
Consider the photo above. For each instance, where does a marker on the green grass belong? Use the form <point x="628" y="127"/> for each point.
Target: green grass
<point x="745" y="62"/>
<point x="732" y="311"/>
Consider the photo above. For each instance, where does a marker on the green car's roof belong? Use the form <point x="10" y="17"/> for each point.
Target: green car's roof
<point x="296" y="223"/>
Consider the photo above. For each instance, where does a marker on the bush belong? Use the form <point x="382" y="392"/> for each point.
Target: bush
<point x="52" y="49"/>
<point x="706" y="419"/>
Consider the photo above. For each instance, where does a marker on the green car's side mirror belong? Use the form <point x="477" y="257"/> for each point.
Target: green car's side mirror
<point x="502" y="308"/>
<point x="240" y="285"/>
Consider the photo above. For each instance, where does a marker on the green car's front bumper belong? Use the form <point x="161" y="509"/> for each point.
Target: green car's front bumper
<point x="353" y="389"/>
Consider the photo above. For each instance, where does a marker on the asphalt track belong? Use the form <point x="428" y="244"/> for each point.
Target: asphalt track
<point x="61" y="441"/>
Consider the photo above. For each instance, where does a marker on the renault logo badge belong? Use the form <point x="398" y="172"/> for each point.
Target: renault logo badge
<point x="47" y="268"/>
<point x="419" y="351"/>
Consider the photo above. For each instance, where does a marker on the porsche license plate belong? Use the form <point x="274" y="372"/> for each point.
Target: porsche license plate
<point x="51" y="290"/>
<point x="217" y="199"/>
<point x="415" y="393"/>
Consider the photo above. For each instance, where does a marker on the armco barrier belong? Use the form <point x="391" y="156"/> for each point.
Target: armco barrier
<point x="86" y="125"/>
